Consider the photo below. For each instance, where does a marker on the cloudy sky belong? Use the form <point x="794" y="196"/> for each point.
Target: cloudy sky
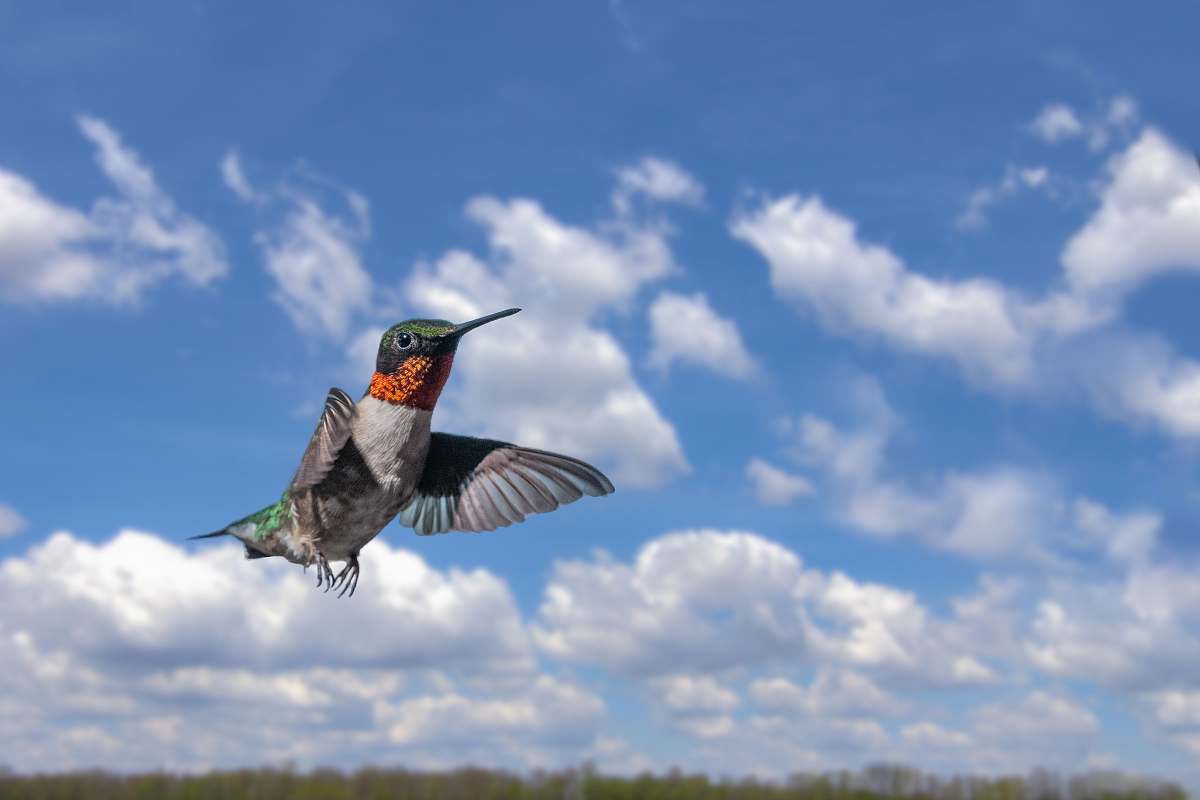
<point x="883" y="325"/>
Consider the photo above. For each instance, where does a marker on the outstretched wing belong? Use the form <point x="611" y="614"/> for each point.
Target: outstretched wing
<point x="480" y="484"/>
<point x="333" y="429"/>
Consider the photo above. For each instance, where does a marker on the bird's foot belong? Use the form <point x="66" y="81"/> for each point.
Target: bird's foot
<point x="348" y="577"/>
<point x="324" y="572"/>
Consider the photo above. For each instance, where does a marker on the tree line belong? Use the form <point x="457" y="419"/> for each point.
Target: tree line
<point x="879" y="782"/>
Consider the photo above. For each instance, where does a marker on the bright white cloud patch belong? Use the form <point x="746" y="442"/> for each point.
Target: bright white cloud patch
<point x="774" y="486"/>
<point x="115" y="251"/>
<point x="135" y="654"/>
<point x="10" y="521"/>
<point x="551" y="377"/>
<point x="817" y="262"/>
<point x="1148" y="222"/>
<point x="710" y="601"/>
<point x="686" y="328"/>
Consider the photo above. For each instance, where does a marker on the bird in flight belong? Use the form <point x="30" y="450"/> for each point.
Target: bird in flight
<point x="371" y="460"/>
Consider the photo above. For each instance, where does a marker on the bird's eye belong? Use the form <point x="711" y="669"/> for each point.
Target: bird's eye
<point x="404" y="341"/>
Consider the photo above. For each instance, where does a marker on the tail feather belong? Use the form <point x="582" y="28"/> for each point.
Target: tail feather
<point x="214" y="534"/>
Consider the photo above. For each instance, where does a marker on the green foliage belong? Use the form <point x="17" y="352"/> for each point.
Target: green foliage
<point x="874" y="783"/>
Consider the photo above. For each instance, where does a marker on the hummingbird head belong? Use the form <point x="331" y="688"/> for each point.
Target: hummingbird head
<point x="414" y="359"/>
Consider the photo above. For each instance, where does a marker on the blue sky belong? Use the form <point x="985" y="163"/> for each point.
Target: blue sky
<point x="882" y="323"/>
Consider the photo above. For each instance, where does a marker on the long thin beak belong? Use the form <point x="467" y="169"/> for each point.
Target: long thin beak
<point x="459" y="330"/>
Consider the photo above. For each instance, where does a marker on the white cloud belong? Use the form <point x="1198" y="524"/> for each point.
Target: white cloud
<point x="1039" y="716"/>
<point x="138" y="598"/>
<point x="832" y="693"/>
<point x="1148" y="222"/>
<point x="998" y="510"/>
<point x="551" y="377"/>
<point x="931" y="735"/>
<point x="686" y="328"/>
<point x="706" y="601"/>
<point x="1175" y="708"/>
<point x="313" y="255"/>
<point x="10" y="521"/>
<point x="657" y="179"/>
<point x="1067" y="342"/>
<point x="692" y="693"/>
<point x="1056" y="122"/>
<point x="817" y="262"/>
<point x="548" y="711"/>
<point x="1125" y="537"/>
<point x="1138" y="632"/>
<point x="136" y="654"/>
<point x="1041" y="729"/>
<point x="114" y="252"/>
<point x="774" y="486"/>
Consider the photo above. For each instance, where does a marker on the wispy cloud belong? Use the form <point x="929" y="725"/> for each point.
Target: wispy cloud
<point x="114" y="252"/>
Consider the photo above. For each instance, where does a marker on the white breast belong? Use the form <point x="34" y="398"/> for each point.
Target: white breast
<point x="393" y="440"/>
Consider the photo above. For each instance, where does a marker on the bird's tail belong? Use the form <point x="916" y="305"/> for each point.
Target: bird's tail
<point x="213" y="535"/>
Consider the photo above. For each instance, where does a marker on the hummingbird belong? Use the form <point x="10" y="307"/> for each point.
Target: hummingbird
<point x="370" y="461"/>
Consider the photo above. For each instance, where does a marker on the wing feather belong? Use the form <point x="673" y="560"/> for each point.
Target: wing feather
<point x="333" y="430"/>
<point x="474" y="484"/>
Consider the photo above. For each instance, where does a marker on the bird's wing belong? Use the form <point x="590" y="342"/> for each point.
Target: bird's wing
<point x="480" y="484"/>
<point x="333" y="429"/>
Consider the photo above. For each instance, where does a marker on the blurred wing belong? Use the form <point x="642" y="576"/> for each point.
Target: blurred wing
<point x="333" y="429"/>
<point x="480" y="484"/>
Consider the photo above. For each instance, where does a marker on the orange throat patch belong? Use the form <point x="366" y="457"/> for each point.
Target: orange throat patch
<point x="417" y="382"/>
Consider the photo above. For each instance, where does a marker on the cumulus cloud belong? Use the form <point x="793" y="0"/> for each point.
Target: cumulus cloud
<point x="135" y="653"/>
<point x="833" y="692"/>
<point x="1137" y="632"/>
<point x="139" y="599"/>
<point x="774" y="486"/>
<point x="686" y="328"/>
<point x="10" y="521"/>
<point x="1148" y="222"/>
<point x="552" y="377"/>
<point x="712" y="601"/>
<point x="113" y="252"/>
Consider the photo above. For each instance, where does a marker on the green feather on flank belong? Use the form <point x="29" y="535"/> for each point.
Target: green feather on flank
<point x="269" y="519"/>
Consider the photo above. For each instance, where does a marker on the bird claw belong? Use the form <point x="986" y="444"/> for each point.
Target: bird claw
<point x="324" y="573"/>
<point x="347" y="578"/>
